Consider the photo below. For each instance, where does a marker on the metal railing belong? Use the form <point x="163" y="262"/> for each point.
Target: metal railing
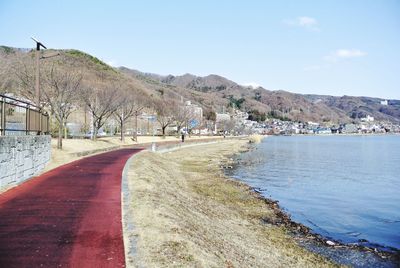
<point x="18" y="116"/>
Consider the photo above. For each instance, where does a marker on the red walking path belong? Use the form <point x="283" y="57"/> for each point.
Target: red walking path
<point x="67" y="217"/>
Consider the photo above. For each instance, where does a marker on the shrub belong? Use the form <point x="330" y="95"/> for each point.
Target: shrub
<point x="255" y="138"/>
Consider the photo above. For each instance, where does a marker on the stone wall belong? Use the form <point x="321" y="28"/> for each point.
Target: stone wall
<point x="22" y="157"/>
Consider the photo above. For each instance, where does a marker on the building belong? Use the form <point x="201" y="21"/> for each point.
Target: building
<point x="195" y="111"/>
<point x="367" y="119"/>
<point x="350" y="128"/>
<point x="222" y="117"/>
<point x="384" y="102"/>
<point x="323" y="130"/>
<point x="193" y="114"/>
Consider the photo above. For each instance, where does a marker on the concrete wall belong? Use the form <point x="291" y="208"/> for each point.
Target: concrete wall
<point x="22" y="157"/>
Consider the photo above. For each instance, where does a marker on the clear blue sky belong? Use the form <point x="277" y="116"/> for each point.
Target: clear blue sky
<point x="323" y="47"/>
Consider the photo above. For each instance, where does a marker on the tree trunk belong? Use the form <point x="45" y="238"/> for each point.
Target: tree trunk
<point x="65" y="131"/>
<point x="163" y="130"/>
<point x="122" y="131"/>
<point x="60" y="134"/>
<point x="136" y="128"/>
<point x="94" y="132"/>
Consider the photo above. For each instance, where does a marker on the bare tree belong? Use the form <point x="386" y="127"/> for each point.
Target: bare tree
<point x="210" y="119"/>
<point x="6" y="80"/>
<point x="181" y="115"/>
<point x="60" y="94"/>
<point x="60" y="89"/>
<point x="11" y="60"/>
<point x="138" y="109"/>
<point x="126" y="108"/>
<point x="24" y="70"/>
<point x="102" y="101"/>
<point x="164" y="114"/>
<point x="141" y="101"/>
<point x="229" y="126"/>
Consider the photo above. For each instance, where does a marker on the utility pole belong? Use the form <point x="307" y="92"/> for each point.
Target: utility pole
<point x="37" y="88"/>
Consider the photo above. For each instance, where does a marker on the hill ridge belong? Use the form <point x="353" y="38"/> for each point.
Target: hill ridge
<point x="212" y="91"/>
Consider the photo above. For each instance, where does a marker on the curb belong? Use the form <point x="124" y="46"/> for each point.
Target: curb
<point x="130" y="241"/>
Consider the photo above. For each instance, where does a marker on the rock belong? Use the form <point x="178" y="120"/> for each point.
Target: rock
<point x="330" y="243"/>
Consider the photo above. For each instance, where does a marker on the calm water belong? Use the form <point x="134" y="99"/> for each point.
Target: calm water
<point x="343" y="187"/>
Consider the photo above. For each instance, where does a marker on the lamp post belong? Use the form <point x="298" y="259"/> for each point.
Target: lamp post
<point x="37" y="84"/>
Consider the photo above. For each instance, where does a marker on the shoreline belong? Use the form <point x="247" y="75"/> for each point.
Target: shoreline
<point x="202" y="217"/>
<point x="339" y="134"/>
<point x="168" y="215"/>
<point x="305" y="235"/>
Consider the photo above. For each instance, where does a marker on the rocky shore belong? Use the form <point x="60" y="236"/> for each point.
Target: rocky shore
<point x="359" y="254"/>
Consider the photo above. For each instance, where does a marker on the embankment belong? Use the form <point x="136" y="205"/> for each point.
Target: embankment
<point x="185" y="212"/>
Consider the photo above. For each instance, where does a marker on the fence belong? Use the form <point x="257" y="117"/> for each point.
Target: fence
<point x="18" y="117"/>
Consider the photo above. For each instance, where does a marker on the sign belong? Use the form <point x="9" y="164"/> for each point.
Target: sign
<point x="193" y="123"/>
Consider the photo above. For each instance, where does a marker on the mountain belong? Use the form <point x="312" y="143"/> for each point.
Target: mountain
<point x="212" y="92"/>
<point x="284" y="104"/>
<point x="216" y="93"/>
<point x="208" y="83"/>
<point x="360" y="107"/>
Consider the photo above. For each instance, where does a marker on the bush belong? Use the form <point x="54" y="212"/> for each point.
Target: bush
<point x="235" y="103"/>
<point x="255" y="138"/>
<point x="256" y="115"/>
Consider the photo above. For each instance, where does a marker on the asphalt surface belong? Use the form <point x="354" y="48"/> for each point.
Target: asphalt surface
<point x="67" y="217"/>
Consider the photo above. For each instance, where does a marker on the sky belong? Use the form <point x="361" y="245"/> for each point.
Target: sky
<point x="341" y="47"/>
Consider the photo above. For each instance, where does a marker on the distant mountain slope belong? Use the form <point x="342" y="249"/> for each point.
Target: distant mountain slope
<point x="291" y="105"/>
<point x="360" y="107"/>
<point x="212" y="92"/>
<point x="216" y="92"/>
<point x="208" y="83"/>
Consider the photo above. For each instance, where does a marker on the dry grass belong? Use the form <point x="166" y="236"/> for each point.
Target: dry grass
<point x="187" y="214"/>
<point x="73" y="147"/>
<point x="255" y="138"/>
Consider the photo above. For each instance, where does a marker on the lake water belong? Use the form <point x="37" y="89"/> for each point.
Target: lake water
<point x="343" y="187"/>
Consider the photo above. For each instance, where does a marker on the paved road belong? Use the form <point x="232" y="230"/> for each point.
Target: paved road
<point x="67" y="217"/>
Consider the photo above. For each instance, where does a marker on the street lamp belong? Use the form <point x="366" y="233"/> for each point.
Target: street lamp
<point x="37" y="88"/>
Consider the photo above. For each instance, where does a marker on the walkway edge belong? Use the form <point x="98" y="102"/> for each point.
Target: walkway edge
<point x="178" y="146"/>
<point x="128" y="225"/>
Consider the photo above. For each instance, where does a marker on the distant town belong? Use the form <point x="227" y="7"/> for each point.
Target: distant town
<point x="237" y="122"/>
<point x="273" y="126"/>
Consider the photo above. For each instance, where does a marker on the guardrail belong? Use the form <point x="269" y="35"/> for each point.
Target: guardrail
<point x="18" y="116"/>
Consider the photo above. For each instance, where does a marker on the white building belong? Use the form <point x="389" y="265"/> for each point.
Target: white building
<point x="222" y="117"/>
<point x="367" y="119"/>
<point x="384" y="102"/>
<point x="313" y="124"/>
<point x="194" y="110"/>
